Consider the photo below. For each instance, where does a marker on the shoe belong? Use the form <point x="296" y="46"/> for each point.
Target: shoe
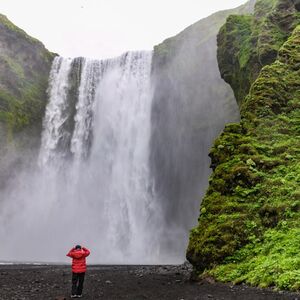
<point x="73" y="296"/>
<point x="79" y="296"/>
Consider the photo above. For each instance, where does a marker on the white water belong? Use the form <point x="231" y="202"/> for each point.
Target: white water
<point x="93" y="184"/>
<point x="56" y="111"/>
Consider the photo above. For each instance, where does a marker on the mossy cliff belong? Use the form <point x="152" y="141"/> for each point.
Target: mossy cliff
<point x="191" y="104"/>
<point x="24" y="72"/>
<point x="247" y="43"/>
<point x="249" y="225"/>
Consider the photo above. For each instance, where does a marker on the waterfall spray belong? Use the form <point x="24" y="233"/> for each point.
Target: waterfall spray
<point x="93" y="185"/>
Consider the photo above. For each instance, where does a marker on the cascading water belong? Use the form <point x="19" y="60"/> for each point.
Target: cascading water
<point x="123" y="161"/>
<point x="57" y="109"/>
<point x="93" y="184"/>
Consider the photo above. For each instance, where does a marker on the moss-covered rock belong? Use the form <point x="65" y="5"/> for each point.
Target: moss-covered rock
<point x="249" y="224"/>
<point x="247" y="43"/>
<point x="24" y="71"/>
<point x="191" y="104"/>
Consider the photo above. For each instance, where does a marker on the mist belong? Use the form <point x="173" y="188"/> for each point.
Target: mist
<point x="122" y="161"/>
<point x="91" y="184"/>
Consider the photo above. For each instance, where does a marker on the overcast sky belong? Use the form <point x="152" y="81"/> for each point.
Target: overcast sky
<point x="106" y="28"/>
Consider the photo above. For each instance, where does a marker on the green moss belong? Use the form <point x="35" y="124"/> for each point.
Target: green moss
<point x="273" y="261"/>
<point x="203" y="30"/>
<point x="249" y="230"/>
<point x="26" y="65"/>
<point x="27" y="109"/>
<point x="12" y="27"/>
<point x="247" y="43"/>
<point x="13" y="65"/>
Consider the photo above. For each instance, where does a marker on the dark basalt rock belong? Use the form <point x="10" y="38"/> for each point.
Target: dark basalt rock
<point x="297" y="4"/>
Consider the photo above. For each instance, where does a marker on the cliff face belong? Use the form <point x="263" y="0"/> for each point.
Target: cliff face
<point x="247" y="43"/>
<point x="249" y="224"/>
<point x="24" y="69"/>
<point x="24" y="66"/>
<point x="190" y="107"/>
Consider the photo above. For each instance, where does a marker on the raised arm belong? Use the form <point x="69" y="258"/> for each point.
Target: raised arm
<point x="70" y="254"/>
<point x="86" y="251"/>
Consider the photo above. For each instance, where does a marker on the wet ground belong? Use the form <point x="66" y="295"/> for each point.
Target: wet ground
<point x="21" y="282"/>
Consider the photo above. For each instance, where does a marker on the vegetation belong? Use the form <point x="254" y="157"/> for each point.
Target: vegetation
<point x="26" y="65"/>
<point x="247" y="43"/>
<point x="13" y="28"/>
<point x="204" y="29"/>
<point x="249" y="223"/>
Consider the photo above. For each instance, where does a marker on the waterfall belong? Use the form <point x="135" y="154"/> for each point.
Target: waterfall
<point x="56" y="111"/>
<point x="83" y="120"/>
<point x="93" y="185"/>
<point x="123" y="161"/>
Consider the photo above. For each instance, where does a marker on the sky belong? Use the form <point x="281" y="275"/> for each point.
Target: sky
<point x="107" y="28"/>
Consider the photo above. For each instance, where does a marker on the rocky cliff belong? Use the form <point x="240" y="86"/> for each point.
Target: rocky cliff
<point x="248" y="227"/>
<point x="191" y="104"/>
<point x="24" y="71"/>
<point x="247" y="43"/>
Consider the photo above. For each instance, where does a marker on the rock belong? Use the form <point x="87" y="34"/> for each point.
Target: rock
<point x="208" y="279"/>
<point x="24" y="70"/>
<point x="297" y="4"/>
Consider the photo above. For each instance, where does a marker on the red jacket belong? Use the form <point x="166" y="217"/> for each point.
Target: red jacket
<point x="78" y="262"/>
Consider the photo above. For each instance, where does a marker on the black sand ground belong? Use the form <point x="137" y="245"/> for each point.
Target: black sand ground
<point x="20" y="282"/>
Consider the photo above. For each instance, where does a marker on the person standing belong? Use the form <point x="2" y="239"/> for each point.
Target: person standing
<point x="78" y="255"/>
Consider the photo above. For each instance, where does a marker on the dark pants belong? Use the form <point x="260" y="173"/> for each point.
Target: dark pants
<point x="77" y="283"/>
